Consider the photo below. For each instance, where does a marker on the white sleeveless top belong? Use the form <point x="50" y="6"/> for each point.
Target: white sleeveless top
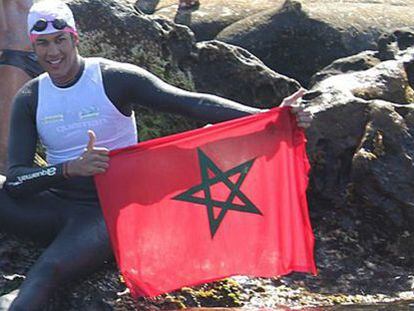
<point x="64" y="116"/>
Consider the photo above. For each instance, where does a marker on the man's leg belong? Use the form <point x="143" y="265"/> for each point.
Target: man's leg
<point x="37" y="217"/>
<point x="79" y="249"/>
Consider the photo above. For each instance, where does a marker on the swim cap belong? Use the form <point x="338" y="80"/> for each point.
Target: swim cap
<point x="49" y="11"/>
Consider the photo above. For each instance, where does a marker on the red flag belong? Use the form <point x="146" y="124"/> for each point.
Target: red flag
<point x="202" y="205"/>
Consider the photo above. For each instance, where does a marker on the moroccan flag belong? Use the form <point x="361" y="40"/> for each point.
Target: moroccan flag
<point x="210" y="203"/>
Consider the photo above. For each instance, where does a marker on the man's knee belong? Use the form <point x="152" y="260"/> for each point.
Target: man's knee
<point x="48" y="272"/>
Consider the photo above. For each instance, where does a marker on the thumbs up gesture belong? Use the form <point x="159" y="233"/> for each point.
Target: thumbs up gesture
<point x="93" y="161"/>
<point x="92" y="140"/>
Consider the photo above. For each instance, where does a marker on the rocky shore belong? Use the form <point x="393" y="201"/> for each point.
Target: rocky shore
<point x="357" y="60"/>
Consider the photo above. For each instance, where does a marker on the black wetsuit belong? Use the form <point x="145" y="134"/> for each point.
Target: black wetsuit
<point x="66" y="211"/>
<point x="27" y="61"/>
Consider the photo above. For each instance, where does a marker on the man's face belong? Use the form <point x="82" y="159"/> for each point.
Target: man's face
<point x="57" y="54"/>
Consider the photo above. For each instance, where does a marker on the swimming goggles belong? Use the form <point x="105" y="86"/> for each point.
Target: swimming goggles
<point x="41" y="24"/>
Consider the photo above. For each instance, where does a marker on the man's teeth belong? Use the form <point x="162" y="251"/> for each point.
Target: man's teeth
<point x="54" y="62"/>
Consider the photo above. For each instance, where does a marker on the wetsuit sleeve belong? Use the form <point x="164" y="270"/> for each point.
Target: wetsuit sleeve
<point x="128" y="85"/>
<point x="23" y="179"/>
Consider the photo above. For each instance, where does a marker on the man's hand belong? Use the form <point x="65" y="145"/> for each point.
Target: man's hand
<point x="303" y="117"/>
<point x="92" y="161"/>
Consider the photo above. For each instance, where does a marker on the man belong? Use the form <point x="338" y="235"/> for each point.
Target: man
<point x="17" y="62"/>
<point x="79" y="102"/>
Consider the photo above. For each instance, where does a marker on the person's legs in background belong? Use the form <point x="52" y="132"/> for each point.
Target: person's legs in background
<point x="13" y="36"/>
<point x="12" y="80"/>
<point x="188" y="4"/>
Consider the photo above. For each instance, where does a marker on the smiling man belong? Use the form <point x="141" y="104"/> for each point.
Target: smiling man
<point x="79" y="110"/>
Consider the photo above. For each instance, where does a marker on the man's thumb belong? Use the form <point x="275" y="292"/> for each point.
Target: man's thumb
<point x="91" y="142"/>
<point x="292" y="99"/>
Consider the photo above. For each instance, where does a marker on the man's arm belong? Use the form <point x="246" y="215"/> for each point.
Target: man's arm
<point x="127" y="84"/>
<point x="22" y="178"/>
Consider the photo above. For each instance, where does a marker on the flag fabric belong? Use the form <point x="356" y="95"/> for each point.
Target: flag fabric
<point x="202" y="205"/>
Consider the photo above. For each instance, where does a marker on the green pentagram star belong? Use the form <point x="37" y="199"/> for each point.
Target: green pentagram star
<point x="243" y="205"/>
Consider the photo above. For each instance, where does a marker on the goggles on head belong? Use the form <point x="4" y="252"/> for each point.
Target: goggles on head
<point x="41" y="24"/>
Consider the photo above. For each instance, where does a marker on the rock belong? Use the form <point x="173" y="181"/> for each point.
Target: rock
<point x="123" y="34"/>
<point x="361" y="142"/>
<point x="146" y="6"/>
<point x="332" y="141"/>
<point x="217" y="70"/>
<point x="212" y="16"/>
<point x="390" y="45"/>
<point x="298" y="39"/>
<point x="404" y="247"/>
<point x="382" y="166"/>
<point x="358" y="62"/>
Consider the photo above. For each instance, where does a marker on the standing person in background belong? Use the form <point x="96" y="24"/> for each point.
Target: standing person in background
<point x="188" y="4"/>
<point x="17" y="62"/>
